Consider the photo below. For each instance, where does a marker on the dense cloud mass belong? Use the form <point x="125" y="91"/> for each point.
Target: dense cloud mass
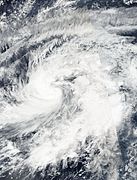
<point x="68" y="90"/>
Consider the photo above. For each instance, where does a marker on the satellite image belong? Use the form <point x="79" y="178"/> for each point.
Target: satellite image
<point x="68" y="89"/>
